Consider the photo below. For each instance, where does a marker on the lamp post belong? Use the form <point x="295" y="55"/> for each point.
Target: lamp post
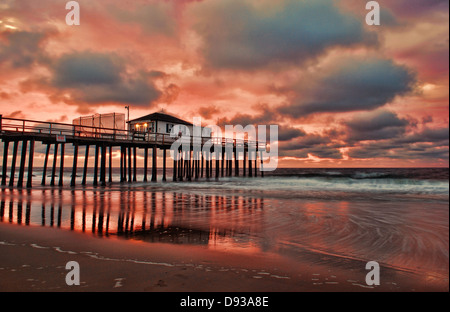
<point x="128" y="116"/>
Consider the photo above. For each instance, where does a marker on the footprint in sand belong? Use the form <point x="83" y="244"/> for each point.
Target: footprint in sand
<point x="161" y="283"/>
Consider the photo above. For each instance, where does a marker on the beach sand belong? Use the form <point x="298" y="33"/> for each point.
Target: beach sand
<point x="33" y="258"/>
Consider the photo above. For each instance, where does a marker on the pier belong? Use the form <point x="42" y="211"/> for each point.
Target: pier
<point x="200" y="160"/>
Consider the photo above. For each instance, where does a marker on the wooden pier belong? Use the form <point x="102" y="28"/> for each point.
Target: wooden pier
<point x="194" y="163"/>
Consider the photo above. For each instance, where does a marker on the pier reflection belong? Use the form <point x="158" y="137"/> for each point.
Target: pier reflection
<point x="139" y="214"/>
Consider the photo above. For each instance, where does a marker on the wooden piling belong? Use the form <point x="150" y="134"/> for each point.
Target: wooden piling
<point x="145" y="164"/>
<point x="55" y="157"/>
<point x="256" y="164"/>
<point x="207" y="164"/>
<point x="250" y="171"/>
<point x="230" y="165"/>
<point x="134" y="164"/>
<point x="244" y="173"/>
<point x="86" y="158"/>
<point x="125" y="164"/>
<point x="210" y="164"/>
<point x="196" y="156"/>
<point x="223" y="162"/>
<point x="44" y="171"/>
<point x="154" y="163"/>
<point x="188" y="160"/>
<point x="180" y="165"/>
<point x="174" y="173"/>
<point x="5" y="160"/>
<point x="164" y="164"/>
<point x="61" y="165"/>
<point x="110" y="164"/>
<point x="202" y="165"/>
<point x="22" y="163"/>
<point x="192" y="165"/>
<point x="122" y="160"/>
<point x="129" y="164"/>
<point x="198" y="165"/>
<point x="30" y="164"/>
<point x="217" y="166"/>
<point x="236" y="162"/>
<point x="103" y="166"/>
<point x="185" y="165"/>
<point x="74" y="166"/>
<point x="95" y="182"/>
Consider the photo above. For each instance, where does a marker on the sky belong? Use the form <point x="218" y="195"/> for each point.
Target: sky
<point x="343" y="93"/>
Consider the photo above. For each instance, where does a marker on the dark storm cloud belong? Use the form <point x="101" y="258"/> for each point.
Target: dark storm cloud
<point x="403" y="152"/>
<point x="356" y="84"/>
<point x="314" y="144"/>
<point x="22" y="49"/>
<point x="85" y="68"/>
<point x="376" y="125"/>
<point x="413" y="8"/>
<point x="304" y="142"/>
<point x="102" y="78"/>
<point x="238" y="35"/>
<point x="392" y="137"/>
<point x="438" y="135"/>
<point x="265" y="117"/>
<point x="286" y="133"/>
<point x="427" y="143"/>
<point x="317" y="151"/>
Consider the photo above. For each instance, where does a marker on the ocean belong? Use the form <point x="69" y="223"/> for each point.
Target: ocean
<point x="332" y="217"/>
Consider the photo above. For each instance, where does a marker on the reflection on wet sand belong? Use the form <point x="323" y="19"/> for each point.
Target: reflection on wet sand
<point x="411" y="236"/>
<point x="146" y="215"/>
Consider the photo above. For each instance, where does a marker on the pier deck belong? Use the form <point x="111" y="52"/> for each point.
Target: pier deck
<point x="194" y="162"/>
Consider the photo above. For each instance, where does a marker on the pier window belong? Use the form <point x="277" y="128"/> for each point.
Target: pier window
<point x="143" y="127"/>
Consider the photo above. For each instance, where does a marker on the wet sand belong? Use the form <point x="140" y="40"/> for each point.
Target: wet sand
<point x="33" y="258"/>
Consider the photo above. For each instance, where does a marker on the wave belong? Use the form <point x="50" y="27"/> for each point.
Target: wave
<point x="319" y="188"/>
<point x="438" y="174"/>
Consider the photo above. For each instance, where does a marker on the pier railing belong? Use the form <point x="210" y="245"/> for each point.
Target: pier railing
<point x="16" y="126"/>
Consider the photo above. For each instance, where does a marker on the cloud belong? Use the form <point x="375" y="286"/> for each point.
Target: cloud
<point x="314" y="144"/>
<point x="266" y="116"/>
<point x="414" y="8"/>
<point x="98" y="78"/>
<point x="16" y="114"/>
<point x="208" y="111"/>
<point x="154" y="18"/>
<point x="375" y="125"/>
<point x="21" y="49"/>
<point x="437" y="135"/>
<point x="306" y="142"/>
<point x="247" y="35"/>
<point x="5" y="95"/>
<point x="425" y="144"/>
<point x="170" y="94"/>
<point x="385" y="150"/>
<point x="287" y="133"/>
<point x="84" y="68"/>
<point x="354" y="84"/>
<point x="317" y="151"/>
